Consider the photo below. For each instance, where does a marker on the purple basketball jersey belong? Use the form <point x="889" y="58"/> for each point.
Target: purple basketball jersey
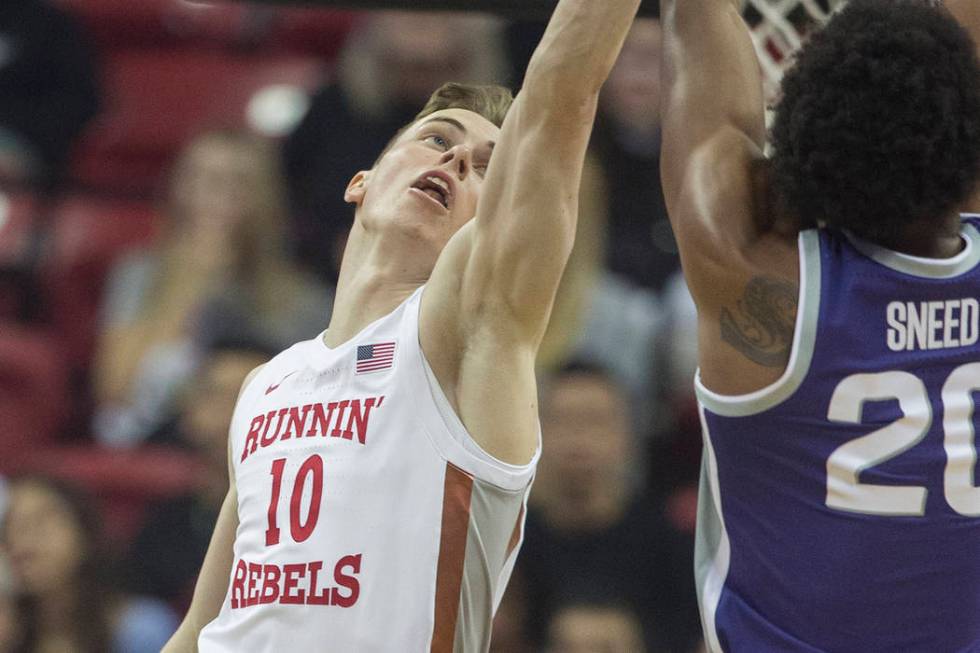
<point x="840" y="506"/>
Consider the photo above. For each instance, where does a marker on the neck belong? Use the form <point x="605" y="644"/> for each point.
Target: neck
<point x="376" y="275"/>
<point x="925" y="241"/>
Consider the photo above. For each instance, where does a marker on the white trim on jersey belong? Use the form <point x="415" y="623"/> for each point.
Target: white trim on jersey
<point x="712" y="565"/>
<point x="804" y="340"/>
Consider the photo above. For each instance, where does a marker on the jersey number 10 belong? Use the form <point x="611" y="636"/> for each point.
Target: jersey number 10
<point x="846" y="492"/>
<point x="300" y="530"/>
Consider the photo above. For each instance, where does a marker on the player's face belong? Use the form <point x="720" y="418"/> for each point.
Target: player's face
<point x="429" y="182"/>
<point x="43" y="539"/>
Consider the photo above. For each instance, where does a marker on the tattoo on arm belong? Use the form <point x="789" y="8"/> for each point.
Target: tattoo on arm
<point x="761" y="323"/>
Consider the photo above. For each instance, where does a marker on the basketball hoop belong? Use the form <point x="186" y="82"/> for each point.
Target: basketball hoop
<point x="779" y="28"/>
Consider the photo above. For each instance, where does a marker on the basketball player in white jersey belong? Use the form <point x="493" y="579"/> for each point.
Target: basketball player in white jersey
<point x="379" y="472"/>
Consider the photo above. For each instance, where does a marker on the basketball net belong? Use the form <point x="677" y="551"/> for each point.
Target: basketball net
<point x="779" y="28"/>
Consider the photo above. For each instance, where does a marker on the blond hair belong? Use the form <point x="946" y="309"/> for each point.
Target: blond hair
<point x="490" y="101"/>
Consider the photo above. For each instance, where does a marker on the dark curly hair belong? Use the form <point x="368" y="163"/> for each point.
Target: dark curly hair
<point x="879" y="123"/>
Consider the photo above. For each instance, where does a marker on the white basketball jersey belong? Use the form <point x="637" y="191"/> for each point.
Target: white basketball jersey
<point x="369" y="519"/>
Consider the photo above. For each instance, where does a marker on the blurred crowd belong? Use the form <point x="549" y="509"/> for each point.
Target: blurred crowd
<point x="172" y="215"/>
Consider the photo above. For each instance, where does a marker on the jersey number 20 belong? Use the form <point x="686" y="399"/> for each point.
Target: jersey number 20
<point x="846" y="492"/>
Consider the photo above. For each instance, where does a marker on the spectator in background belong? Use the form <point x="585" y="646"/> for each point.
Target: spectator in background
<point x="589" y="528"/>
<point x="48" y="90"/>
<point x="388" y="68"/>
<point x="167" y="553"/>
<point x="10" y="624"/>
<point x="641" y="245"/>
<point x="220" y="271"/>
<point x="65" y="600"/>
<point x="595" y="627"/>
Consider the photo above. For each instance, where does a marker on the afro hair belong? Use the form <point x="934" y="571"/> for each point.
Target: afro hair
<point x="879" y="123"/>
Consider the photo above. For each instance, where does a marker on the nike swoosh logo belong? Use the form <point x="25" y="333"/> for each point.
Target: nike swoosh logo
<point x="272" y="388"/>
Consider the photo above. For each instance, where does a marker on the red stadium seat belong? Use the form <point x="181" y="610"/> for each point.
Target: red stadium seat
<point x="158" y="99"/>
<point x="89" y="234"/>
<point x="125" y="481"/>
<point x="149" y="23"/>
<point x="309" y="30"/>
<point x="116" y="24"/>
<point x="33" y="393"/>
<point x="21" y="226"/>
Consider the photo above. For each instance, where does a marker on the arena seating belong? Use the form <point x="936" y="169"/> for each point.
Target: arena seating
<point x="33" y="392"/>
<point x="125" y="481"/>
<point x="117" y="24"/>
<point x="156" y="100"/>
<point x="88" y="235"/>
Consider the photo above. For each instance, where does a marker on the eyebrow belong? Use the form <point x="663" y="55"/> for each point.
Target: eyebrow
<point x="452" y="121"/>
<point x="457" y="124"/>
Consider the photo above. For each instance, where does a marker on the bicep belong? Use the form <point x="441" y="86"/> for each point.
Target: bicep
<point x="526" y="219"/>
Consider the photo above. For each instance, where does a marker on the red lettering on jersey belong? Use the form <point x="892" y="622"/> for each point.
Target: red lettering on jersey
<point x="254" y="576"/>
<point x="252" y="439"/>
<point x="290" y="583"/>
<point x="336" y="432"/>
<point x="346" y="580"/>
<point x="323" y="598"/>
<point x="238" y="595"/>
<point x="266" y="441"/>
<point x="255" y="584"/>
<point x="270" y="583"/>
<point x="321" y="421"/>
<point x="296" y="422"/>
<point x="327" y="420"/>
<point x="359" y="419"/>
<point x="263" y="442"/>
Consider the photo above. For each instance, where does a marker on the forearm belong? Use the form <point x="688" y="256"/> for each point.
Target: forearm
<point x="711" y="73"/>
<point x="183" y="641"/>
<point x="579" y="47"/>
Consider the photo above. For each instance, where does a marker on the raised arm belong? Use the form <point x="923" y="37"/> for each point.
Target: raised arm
<point x="740" y="262"/>
<point x="713" y="127"/>
<point x="525" y="222"/>
<point x="490" y="295"/>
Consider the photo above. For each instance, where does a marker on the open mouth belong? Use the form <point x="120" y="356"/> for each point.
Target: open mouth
<point x="435" y="187"/>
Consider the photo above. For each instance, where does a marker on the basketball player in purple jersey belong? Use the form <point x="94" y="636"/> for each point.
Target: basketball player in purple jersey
<point x="839" y="327"/>
<point x="379" y="472"/>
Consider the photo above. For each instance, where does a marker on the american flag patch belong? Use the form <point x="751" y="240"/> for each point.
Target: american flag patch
<point x="371" y="358"/>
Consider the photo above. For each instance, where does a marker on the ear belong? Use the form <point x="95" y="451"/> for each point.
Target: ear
<point x="357" y="188"/>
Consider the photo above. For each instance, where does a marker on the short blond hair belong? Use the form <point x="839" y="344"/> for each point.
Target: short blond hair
<point x="490" y="101"/>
